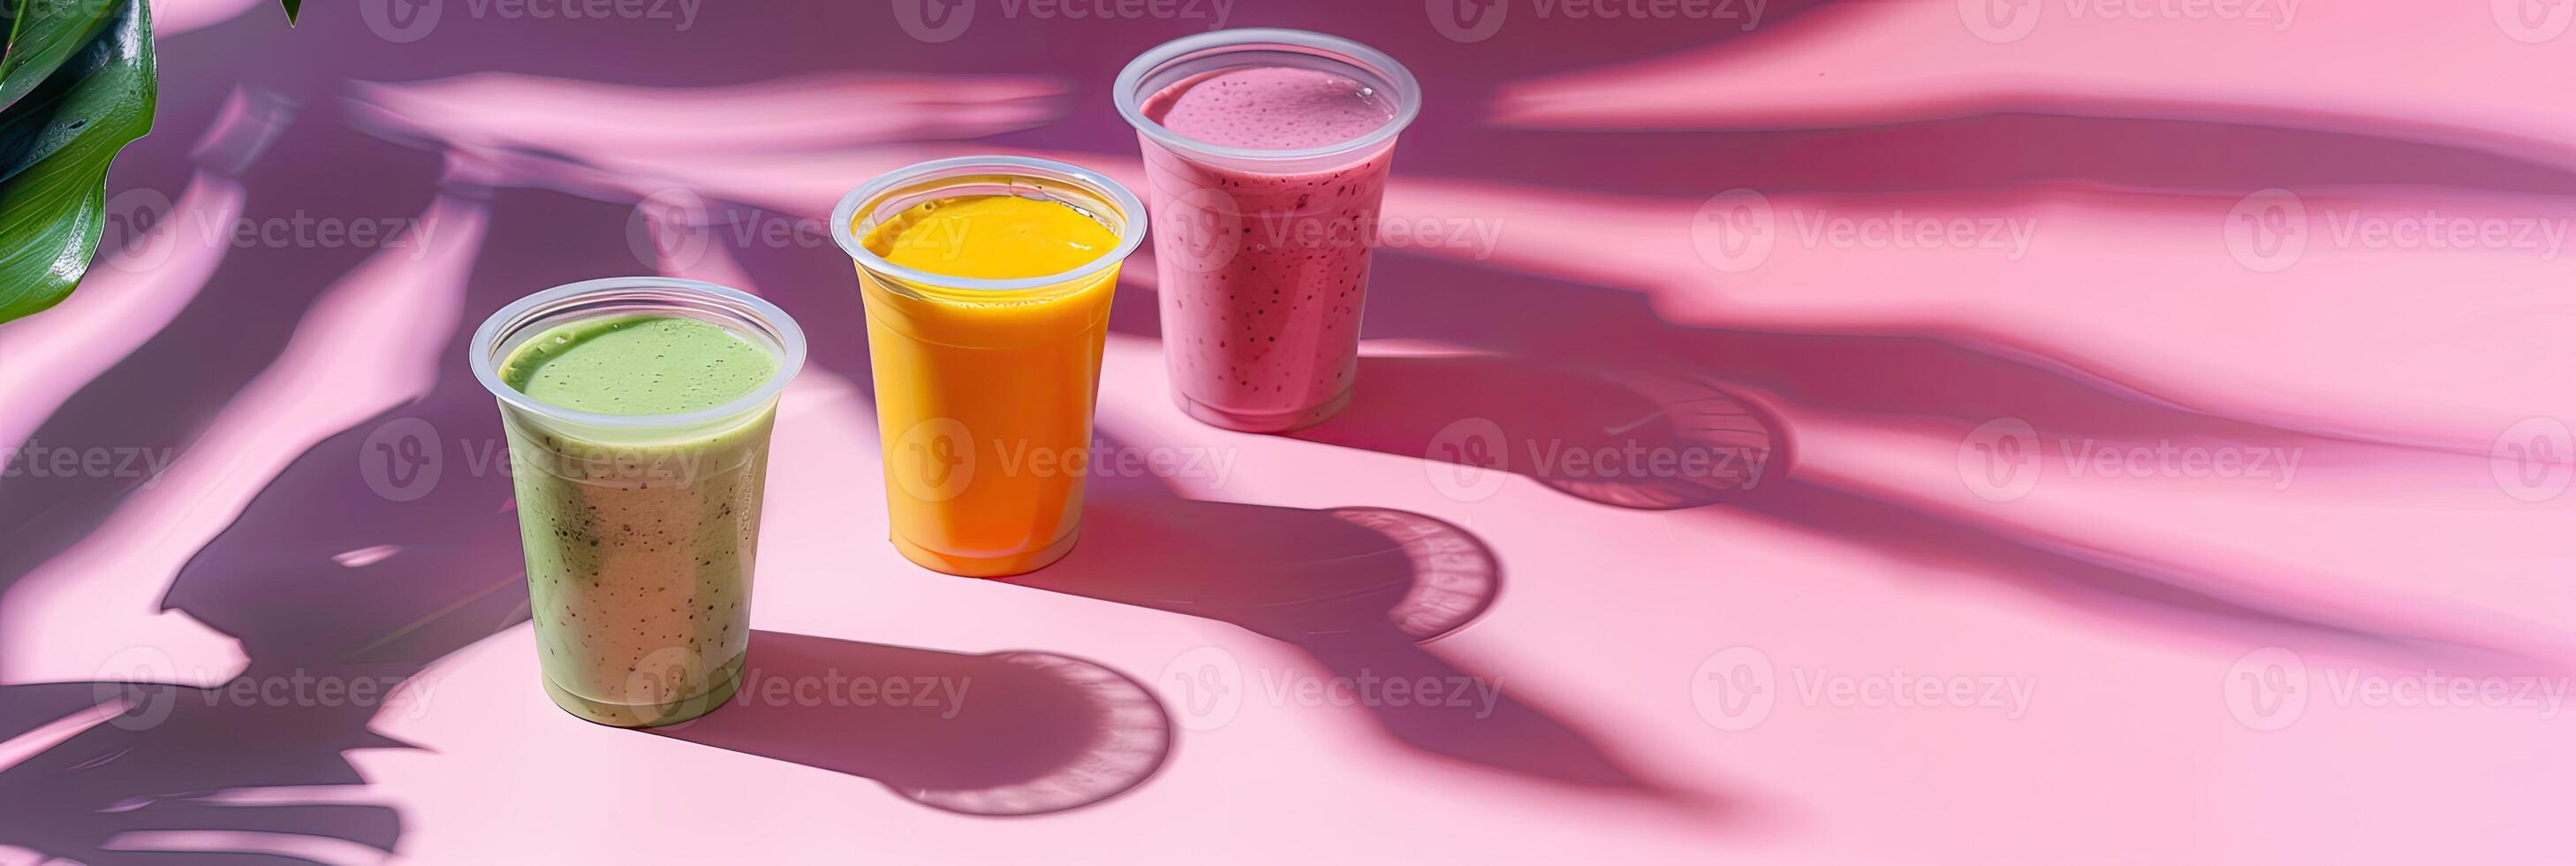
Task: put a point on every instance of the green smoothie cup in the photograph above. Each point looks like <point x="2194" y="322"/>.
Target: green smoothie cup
<point x="638" y="413"/>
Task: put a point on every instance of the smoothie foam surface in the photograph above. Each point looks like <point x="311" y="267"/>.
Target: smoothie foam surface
<point x="638" y="365"/>
<point x="1271" y="108"/>
<point x="992" y="237"/>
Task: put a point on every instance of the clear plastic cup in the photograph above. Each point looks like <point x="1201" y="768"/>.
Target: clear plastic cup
<point x="1262" y="256"/>
<point x="985" y="388"/>
<point x="639" y="530"/>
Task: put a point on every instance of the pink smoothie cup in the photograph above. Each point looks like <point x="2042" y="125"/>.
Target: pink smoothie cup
<point x="1262" y="255"/>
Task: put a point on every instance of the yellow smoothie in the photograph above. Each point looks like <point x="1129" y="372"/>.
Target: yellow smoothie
<point x="984" y="397"/>
<point x="992" y="237"/>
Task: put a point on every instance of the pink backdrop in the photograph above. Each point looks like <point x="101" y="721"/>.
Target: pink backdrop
<point x="2141" y="436"/>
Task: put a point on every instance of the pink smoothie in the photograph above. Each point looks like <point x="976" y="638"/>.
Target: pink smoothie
<point x="1263" y="268"/>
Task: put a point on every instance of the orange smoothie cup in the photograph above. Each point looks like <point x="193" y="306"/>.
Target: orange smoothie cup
<point x="985" y="387"/>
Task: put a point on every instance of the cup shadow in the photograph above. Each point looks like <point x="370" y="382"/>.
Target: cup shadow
<point x="1359" y="590"/>
<point x="999" y="734"/>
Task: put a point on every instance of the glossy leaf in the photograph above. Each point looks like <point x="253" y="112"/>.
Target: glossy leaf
<point x="65" y="121"/>
<point x="42" y="35"/>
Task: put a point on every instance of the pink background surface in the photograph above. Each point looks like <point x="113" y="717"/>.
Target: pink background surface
<point x="2163" y="665"/>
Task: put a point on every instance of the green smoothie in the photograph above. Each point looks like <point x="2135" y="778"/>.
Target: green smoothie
<point x="638" y="365"/>
<point x="639" y="539"/>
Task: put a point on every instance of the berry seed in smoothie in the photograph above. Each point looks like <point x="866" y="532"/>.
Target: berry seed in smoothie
<point x="1271" y="108"/>
<point x="639" y="545"/>
<point x="1264" y="262"/>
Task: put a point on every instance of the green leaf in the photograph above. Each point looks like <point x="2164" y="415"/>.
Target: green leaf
<point x="57" y="137"/>
<point x="293" y="8"/>
<point x="43" y="34"/>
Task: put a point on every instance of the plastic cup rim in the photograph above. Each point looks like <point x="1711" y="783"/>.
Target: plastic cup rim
<point x="791" y="349"/>
<point x="1131" y="104"/>
<point x="1131" y="211"/>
